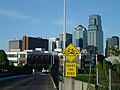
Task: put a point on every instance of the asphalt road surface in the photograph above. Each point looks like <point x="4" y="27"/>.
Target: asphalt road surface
<point x="38" y="81"/>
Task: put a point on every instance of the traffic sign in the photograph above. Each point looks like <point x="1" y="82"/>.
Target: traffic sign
<point x="71" y="69"/>
<point x="70" y="52"/>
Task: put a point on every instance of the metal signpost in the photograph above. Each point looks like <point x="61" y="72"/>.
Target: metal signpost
<point x="70" y="52"/>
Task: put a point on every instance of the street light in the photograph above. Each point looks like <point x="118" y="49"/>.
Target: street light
<point x="64" y="37"/>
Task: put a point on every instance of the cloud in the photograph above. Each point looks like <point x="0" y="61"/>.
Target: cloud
<point x="13" y="14"/>
<point x="68" y="22"/>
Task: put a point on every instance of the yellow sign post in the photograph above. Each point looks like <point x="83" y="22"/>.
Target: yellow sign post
<point x="71" y="69"/>
<point x="70" y="52"/>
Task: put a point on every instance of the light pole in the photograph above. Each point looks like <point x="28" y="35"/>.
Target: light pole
<point x="64" y="37"/>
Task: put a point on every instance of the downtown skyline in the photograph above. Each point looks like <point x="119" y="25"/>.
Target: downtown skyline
<point x="40" y="18"/>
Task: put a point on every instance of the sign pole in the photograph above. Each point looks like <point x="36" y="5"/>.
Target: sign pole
<point x="70" y="83"/>
<point x="70" y="52"/>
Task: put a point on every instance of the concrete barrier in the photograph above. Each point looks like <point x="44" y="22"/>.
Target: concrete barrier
<point x="75" y="85"/>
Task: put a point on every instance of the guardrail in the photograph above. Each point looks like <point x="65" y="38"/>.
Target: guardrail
<point x="61" y="78"/>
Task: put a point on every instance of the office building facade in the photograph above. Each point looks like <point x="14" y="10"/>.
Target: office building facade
<point x="15" y="45"/>
<point x="30" y="43"/>
<point x="54" y="43"/>
<point x="33" y="58"/>
<point x="113" y="41"/>
<point x="68" y="39"/>
<point x="80" y="37"/>
<point x="95" y="33"/>
<point x="88" y="60"/>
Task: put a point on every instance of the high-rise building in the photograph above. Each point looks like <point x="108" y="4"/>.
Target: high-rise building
<point x="30" y="43"/>
<point x="113" y="41"/>
<point x="54" y="43"/>
<point x="95" y="33"/>
<point x="80" y="37"/>
<point x="15" y="45"/>
<point x="68" y="39"/>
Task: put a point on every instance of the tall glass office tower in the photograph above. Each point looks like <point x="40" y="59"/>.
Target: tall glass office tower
<point x="95" y="33"/>
<point x="80" y="37"/>
<point x="68" y="39"/>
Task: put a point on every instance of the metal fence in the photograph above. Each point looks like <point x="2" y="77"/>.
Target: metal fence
<point x="103" y="80"/>
<point x="115" y="80"/>
<point x="108" y="80"/>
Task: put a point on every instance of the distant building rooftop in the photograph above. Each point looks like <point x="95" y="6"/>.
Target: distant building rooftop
<point x="113" y="60"/>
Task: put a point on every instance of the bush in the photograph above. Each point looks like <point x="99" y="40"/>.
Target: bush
<point x="85" y="78"/>
<point x="20" y="65"/>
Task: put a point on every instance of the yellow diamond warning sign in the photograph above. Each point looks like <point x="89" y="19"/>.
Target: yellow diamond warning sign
<point x="70" y="52"/>
<point x="71" y="69"/>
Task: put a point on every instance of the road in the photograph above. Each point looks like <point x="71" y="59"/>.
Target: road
<point x="38" y="81"/>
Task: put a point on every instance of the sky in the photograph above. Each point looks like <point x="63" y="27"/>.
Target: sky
<point x="44" y="18"/>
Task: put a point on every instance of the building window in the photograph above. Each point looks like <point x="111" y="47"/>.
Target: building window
<point x="12" y="55"/>
<point x="22" y="55"/>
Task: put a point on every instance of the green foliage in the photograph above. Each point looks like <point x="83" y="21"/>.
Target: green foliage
<point x="11" y="63"/>
<point x="115" y="76"/>
<point x="99" y="66"/>
<point x="3" y="59"/>
<point x="104" y="74"/>
<point x="20" y="65"/>
<point x="49" y="68"/>
<point x="118" y="67"/>
<point x="85" y="78"/>
<point x="83" y="70"/>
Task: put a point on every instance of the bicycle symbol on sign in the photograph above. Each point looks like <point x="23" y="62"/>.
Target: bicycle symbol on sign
<point x="70" y="52"/>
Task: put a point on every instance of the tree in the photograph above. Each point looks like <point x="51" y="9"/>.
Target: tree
<point x="11" y="63"/>
<point x="118" y="67"/>
<point x="103" y="74"/>
<point x="20" y="64"/>
<point x="3" y="59"/>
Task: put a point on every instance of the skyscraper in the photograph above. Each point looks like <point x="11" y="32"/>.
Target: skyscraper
<point x="95" y="33"/>
<point x="68" y="39"/>
<point x="113" y="41"/>
<point x="80" y="37"/>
